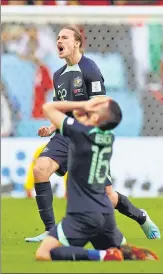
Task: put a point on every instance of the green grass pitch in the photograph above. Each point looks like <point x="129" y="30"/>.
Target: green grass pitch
<point x="20" y="219"/>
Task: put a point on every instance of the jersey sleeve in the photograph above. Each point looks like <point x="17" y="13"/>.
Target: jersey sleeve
<point x="73" y="129"/>
<point x="95" y="82"/>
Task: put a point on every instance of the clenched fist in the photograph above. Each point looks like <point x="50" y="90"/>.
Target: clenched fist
<point x="46" y="131"/>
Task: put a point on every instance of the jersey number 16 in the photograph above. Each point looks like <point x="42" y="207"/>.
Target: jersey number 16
<point x="98" y="164"/>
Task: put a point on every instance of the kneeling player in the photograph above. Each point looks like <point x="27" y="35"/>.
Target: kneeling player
<point x="90" y="214"/>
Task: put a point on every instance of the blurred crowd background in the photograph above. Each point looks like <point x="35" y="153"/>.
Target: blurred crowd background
<point x="130" y="57"/>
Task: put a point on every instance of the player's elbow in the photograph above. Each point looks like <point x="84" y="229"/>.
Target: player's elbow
<point x="42" y="255"/>
<point x="45" y="108"/>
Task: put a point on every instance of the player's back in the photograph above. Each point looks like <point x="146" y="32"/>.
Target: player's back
<point x="88" y="166"/>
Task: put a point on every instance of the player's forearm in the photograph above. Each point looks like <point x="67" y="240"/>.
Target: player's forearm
<point x="63" y="106"/>
<point x="54" y="111"/>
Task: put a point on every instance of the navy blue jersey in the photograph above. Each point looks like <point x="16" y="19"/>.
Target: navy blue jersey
<point x="78" y="82"/>
<point x="89" y="154"/>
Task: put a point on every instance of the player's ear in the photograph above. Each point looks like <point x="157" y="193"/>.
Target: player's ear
<point x="77" y="44"/>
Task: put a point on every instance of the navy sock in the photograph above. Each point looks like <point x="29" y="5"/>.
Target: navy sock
<point x="125" y="207"/>
<point x="74" y="253"/>
<point x="44" y="199"/>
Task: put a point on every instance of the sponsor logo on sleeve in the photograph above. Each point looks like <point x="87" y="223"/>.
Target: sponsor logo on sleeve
<point x="96" y="86"/>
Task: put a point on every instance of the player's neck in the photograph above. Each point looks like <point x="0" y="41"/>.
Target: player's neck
<point x="74" y="59"/>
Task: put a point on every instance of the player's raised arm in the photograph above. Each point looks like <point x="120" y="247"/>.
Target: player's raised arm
<point x="54" y="111"/>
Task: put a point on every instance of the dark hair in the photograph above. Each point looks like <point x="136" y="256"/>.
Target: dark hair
<point x="116" y="116"/>
<point x="77" y="35"/>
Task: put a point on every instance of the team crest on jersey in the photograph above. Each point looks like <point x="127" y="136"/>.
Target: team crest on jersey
<point x="77" y="82"/>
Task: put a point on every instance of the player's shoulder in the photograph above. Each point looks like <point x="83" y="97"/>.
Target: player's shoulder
<point x="59" y="72"/>
<point x="88" y="65"/>
<point x="72" y="122"/>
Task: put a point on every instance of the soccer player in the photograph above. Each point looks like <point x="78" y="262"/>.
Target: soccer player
<point x="90" y="214"/>
<point x="78" y="80"/>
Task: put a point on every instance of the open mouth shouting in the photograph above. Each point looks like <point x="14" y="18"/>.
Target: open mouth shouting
<point x="60" y="49"/>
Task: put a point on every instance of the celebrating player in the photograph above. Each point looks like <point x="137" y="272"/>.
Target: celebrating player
<point x="79" y="80"/>
<point x="90" y="214"/>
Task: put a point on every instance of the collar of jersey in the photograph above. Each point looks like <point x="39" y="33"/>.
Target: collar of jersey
<point x="72" y="68"/>
<point x="98" y="130"/>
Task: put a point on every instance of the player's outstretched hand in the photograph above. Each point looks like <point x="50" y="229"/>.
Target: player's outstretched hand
<point x="46" y="131"/>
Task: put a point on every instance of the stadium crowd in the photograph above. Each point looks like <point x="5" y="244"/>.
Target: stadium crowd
<point x="82" y="2"/>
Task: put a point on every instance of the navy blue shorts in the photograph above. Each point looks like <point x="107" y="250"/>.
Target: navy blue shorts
<point x="77" y="229"/>
<point x="57" y="149"/>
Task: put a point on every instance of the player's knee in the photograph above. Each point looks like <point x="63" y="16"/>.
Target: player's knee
<point x="44" y="167"/>
<point x="41" y="167"/>
<point x="42" y="255"/>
